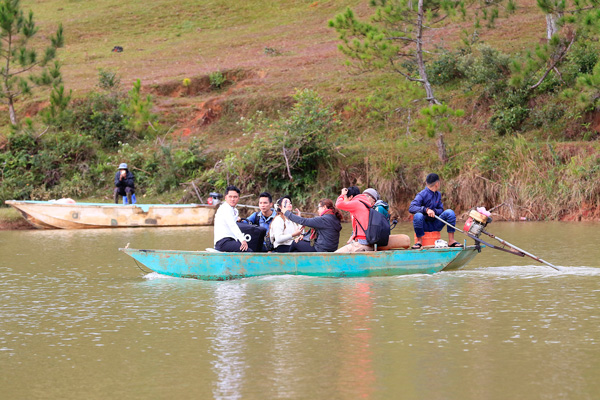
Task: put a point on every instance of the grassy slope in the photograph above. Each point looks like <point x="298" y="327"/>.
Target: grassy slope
<point x="166" y="42"/>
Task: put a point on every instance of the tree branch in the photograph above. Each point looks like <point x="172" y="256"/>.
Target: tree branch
<point x="410" y="78"/>
<point x="287" y="164"/>
<point x="556" y="61"/>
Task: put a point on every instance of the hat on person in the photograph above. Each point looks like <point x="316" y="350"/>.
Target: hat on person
<point x="372" y="192"/>
<point x="123" y="166"/>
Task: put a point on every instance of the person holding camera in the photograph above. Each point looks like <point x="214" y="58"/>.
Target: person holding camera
<point x="124" y="184"/>
<point x="325" y="230"/>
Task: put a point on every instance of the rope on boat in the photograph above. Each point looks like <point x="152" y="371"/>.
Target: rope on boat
<point x="140" y="268"/>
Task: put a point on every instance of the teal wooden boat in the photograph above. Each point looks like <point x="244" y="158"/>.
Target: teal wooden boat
<point x="211" y="265"/>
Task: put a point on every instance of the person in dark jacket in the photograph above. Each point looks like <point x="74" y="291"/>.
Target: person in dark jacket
<point x="426" y="205"/>
<point x="326" y="228"/>
<point x="124" y="185"/>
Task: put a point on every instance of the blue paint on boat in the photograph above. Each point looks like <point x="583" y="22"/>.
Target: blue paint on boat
<point x="225" y="266"/>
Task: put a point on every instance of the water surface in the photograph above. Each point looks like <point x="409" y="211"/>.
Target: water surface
<point x="79" y="319"/>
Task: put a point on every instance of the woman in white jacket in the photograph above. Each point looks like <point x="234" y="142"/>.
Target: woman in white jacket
<point x="282" y="230"/>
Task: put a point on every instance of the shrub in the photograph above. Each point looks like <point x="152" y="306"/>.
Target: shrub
<point x="445" y="69"/>
<point x="547" y="115"/>
<point x="271" y="51"/>
<point x="137" y="110"/>
<point x="217" y="79"/>
<point x="286" y="153"/>
<point x="510" y="111"/>
<point x="108" y="80"/>
<point x="490" y="69"/>
<point x="40" y="167"/>
<point x="99" y="116"/>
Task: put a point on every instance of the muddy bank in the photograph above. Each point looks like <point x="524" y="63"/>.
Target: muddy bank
<point x="15" y="225"/>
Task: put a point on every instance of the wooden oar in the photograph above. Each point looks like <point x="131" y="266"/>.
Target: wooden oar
<point x="504" y="242"/>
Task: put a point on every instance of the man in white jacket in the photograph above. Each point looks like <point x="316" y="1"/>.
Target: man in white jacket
<point x="228" y="236"/>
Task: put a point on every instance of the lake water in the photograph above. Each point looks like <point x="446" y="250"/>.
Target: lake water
<point x="79" y="320"/>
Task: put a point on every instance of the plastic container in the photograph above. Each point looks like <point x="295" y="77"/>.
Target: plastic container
<point x="429" y="238"/>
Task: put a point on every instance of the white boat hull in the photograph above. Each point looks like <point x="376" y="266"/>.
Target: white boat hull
<point x="52" y="215"/>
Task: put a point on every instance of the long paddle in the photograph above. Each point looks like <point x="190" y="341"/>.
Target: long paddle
<point x="504" y="242"/>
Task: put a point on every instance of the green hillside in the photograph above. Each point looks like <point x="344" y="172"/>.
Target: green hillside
<point x="210" y="66"/>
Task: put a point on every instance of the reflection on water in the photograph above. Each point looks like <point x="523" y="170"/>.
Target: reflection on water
<point x="229" y="342"/>
<point x="78" y="319"/>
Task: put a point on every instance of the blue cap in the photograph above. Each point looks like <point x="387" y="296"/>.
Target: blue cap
<point x="123" y="166"/>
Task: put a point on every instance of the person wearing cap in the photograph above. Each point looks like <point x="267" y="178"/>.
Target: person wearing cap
<point x="358" y="206"/>
<point x="228" y="236"/>
<point x="124" y="184"/>
<point x="425" y="207"/>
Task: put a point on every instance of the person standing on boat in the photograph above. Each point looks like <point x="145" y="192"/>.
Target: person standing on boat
<point x="283" y="231"/>
<point x="228" y="236"/>
<point x="325" y="232"/>
<point x="124" y="184"/>
<point x="426" y="205"/>
<point x="358" y="207"/>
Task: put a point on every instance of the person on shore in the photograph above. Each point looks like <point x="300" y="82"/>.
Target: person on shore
<point x="325" y="233"/>
<point x="124" y="184"/>
<point x="228" y="236"/>
<point x="358" y="207"/>
<point x="262" y="219"/>
<point x="283" y="231"/>
<point x="425" y="207"/>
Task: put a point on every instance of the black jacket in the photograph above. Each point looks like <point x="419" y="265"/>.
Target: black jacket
<point x="327" y="226"/>
<point x="128" y="181"/>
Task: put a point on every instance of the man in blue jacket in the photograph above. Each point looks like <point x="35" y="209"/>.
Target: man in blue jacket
<point x="124" y="185"/>
<point x="426" y="205"/>
<point x="261" y="220"/>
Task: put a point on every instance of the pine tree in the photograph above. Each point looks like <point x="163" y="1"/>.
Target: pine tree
<point x="23" y="68"/>
<point x="394" y="39"/>
<point x="138" y="110"/>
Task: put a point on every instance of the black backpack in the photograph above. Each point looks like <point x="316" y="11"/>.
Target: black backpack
<point x="378" y="230"/>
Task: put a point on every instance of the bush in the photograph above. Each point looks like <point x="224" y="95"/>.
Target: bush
<point x="108" y="80"/>
<point x="217" y="79"/>
<point x="286" y="153"/>
<point x="510" y="111"/>
<point x="490" y="69"/>
<point x="547" y="115"/>
<point x="99" y="116"/>
<point x="42" y="167"/>
<point x="445" y="69"/>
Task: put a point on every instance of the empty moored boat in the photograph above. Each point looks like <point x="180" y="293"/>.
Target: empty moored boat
<point x="72" y="215"/>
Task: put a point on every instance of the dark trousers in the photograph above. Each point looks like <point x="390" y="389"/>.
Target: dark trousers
<point x="423" y="224"/>
<point x="230" y="245"/>
<point x="282" y="248"/>
<point x="302" y="246"/>
<point x="123" y="191"/>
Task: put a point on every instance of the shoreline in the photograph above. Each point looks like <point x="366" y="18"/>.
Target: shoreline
<point x="20" y="224"/>
<point x="15" y="225"/>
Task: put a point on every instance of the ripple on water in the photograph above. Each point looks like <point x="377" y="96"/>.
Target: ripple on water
<point x="532" y="271"/>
